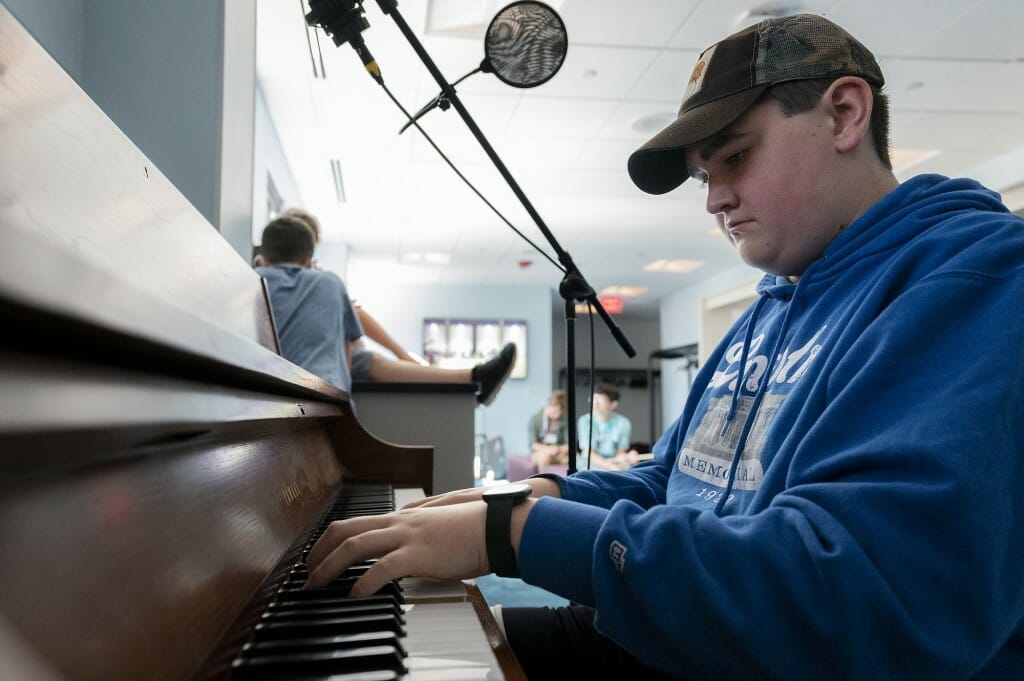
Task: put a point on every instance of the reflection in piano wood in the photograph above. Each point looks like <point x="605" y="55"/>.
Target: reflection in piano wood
<point x="143" y="515"/>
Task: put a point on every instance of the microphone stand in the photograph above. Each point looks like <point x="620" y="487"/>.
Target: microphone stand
<point x="573" y="286"/>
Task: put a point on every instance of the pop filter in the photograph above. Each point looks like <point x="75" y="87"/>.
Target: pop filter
<point x="525" y="46"/>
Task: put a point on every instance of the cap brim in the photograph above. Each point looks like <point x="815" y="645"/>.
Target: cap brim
<point x="658" y="166"/>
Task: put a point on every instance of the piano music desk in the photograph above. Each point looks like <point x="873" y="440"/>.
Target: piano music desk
<point x="435" y="414"/>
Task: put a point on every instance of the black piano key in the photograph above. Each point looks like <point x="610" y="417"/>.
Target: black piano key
<point x="325" y="626"/>
<point x="342" y="609"/>
<point x="336" y="588"/>
<point x="320" y="643"/>
<point x="379" y="675"/>
<point x="300" y="570"/>
<point x="297" y="578"/>
<point x="318" y="663"/>
<point x="284" y="603"/>
<point x="313" y="634"/>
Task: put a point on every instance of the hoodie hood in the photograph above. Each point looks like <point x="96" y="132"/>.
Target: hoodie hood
<point x="912" y="208"/>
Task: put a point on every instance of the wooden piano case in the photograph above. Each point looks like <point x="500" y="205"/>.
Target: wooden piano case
<point x="157" y="457"/>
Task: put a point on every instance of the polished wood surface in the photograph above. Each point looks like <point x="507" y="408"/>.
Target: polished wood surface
<point x="131" y="547"/>
<point x="506" y="658"/>
<point x="442" y="414"/>
<point x="71" y="178"/>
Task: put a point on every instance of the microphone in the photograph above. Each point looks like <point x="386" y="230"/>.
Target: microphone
<point x="344" y="21"/>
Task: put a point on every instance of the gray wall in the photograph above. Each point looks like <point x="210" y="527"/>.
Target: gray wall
<point x="270" y="163"/>
<point x="57" y="25"/>
<point x="235" y="163"/>
<point x="154" y="67"/>
<point x="643" y="333"/>
<point x="157" y="69"/>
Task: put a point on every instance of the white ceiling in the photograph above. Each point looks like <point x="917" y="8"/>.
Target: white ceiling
<point x="955" y="74"/>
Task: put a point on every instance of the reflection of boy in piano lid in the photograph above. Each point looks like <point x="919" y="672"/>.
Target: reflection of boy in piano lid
<point x="314" y="313"/>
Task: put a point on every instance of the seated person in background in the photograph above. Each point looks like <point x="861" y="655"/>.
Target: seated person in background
<point x="611" y="433"/>
<point x="549" y="432"/>
<point x="313" y="313"/>
<point x="316" y="322"/>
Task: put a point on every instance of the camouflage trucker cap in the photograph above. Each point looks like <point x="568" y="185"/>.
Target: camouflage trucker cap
<point x="732" y="74"/>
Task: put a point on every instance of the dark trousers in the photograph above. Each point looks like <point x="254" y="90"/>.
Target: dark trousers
<point x="561" y="644"/>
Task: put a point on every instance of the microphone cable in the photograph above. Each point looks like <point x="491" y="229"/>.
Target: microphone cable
<point x="458" y="172"/>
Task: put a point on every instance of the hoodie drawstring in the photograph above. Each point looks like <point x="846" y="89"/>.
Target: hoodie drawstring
<point x="747" y="338"/>
<point x="761" y="389"/>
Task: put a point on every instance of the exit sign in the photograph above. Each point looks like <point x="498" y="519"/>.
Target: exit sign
<point x="611" y="304"/>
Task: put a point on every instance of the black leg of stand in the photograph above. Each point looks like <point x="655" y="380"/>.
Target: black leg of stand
<point x="572" y="288"/>
<point x="570" y="377"/>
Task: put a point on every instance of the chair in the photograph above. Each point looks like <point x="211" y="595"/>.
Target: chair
<point x="493" y="462"/>
<point x="520" y="466"/>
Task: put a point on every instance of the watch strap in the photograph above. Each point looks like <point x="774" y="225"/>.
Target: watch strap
<point x="500" y="554"/>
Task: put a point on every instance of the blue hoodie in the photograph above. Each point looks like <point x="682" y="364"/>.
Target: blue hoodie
<point x="839" y="498"/>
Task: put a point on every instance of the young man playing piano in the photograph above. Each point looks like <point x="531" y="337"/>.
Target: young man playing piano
<point x="842" y="494"/>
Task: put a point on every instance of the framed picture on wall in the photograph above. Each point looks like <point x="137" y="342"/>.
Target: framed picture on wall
<point x="464" y="343"/>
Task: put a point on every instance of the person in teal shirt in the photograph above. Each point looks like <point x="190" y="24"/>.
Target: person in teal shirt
<point x="611" y="431"/>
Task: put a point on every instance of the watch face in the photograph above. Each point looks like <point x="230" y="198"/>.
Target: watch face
<point x="519" y="489"/>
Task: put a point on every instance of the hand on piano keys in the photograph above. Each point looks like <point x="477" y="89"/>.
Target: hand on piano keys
<point x="441" y="537"/>
<point x="440" y="542"/>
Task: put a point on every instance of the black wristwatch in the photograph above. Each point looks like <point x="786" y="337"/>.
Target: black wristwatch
<point x="500" y="502"/>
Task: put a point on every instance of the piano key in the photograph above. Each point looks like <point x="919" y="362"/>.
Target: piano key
<point x="337" y="588"/>
<point x="380" y="675"/>
<point x="318" y="643"/>
<point x="284" y="603"/>
<point x="326" y="626"/>
<point x="341" y="609"/>
<point x="291" y="666"/>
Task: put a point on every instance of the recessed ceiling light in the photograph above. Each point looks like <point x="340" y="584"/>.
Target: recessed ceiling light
<point x="676" y="266"/>
<point x="623" y="291"/>
<point x="466" y="18"/>
<point x="428" y="258"/>
<point x="651" y="123"/>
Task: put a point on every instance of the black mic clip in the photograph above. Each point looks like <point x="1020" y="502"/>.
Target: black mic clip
<point x="345" y="22"/>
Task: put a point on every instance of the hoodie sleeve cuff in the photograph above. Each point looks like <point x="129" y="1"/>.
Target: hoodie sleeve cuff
<point x="556" y="551"/>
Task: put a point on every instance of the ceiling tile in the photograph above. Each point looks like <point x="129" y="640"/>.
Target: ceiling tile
<point x="639" y="22"/>
<point x="712" y="21"/>
<point x="977" y="131"/>
<point x="550" y="117"/>
<point x="666" y="78"/>
<point x="934" y="85"/>
<point x="597" y="71"/>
